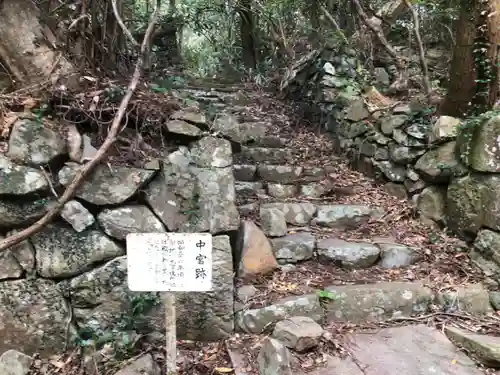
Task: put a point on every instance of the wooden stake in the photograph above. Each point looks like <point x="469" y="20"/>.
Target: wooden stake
<point x="170" y="334"/>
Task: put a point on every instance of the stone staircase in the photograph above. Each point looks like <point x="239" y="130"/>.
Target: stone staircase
<point x="310" y="259"/>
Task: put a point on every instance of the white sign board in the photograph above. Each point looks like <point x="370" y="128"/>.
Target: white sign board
<point x="169" y="262"/>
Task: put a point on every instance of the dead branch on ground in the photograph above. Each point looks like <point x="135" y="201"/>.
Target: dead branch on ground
<point x="421" y="53"/>
<point x="101" y="152"/>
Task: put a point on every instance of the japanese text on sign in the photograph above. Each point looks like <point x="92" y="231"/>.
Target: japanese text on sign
<point x="169" y="262"/>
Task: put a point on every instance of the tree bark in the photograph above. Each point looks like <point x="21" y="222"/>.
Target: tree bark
<point x="461" y="86"/>
<point x="487" y="37"/>
<point x="247" y="33"/>
<point x="28" y="48"/>
<point x="477" y="31"/>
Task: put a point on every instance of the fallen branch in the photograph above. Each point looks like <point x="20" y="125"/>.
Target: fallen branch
<point x="334" y="22"/>
<point x="378" y="33"/>
<point x="421" y="53"/>
<point x="101" y="152"/>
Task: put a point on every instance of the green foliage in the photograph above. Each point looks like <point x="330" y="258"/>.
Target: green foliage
<point x="120" y="337"/>
<point x="326" y="295"/>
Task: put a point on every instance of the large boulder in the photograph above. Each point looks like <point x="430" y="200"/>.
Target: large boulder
<point x="105" y="185"/>
<point x="33" y="143"/>
<point x="20" y="180"/>
<point x="63" y="252"/>
<point x="479" y="145"/>
<point x="440" y="164"/>
<point x="472" y="203"/>
<point x="34" y="317"/>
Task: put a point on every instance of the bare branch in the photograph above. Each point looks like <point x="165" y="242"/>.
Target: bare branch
<point x="101" y="152"/>
<point x="122" y="24"/>
<point x="378" y="33"/>
<point x="421" y="53"/>
<point x="334" y="23"/>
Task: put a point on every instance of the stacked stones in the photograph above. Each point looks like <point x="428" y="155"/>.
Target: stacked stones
<point x="448" y="169"/>
<point x="80" y="257"/>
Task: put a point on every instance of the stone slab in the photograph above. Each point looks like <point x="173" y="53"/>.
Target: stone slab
<point x="410" y="350"/>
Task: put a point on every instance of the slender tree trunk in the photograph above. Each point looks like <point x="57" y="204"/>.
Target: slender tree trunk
<point x="28" y="48"/>
<point x="247" y="33"/>
<point x="487" y="39"/>
<point x="461" y="85"/>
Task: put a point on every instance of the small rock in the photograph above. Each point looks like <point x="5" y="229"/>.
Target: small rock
<point x="495" y="300"/>
<point x="182" y="128"/>
<point x="279" y="173"/>
<point x="294" y="248"/>
<point x="19" y="179"/>
<point x="348" y="254"/>
<point x="299" y="333"/>
<point x="381" y="76"/>
<point x="440" y="164"/>
<point x="273" y="222"/>
<point x="141" y="366"/>
<point x="244" y="172"/>
<point x="13" y="362"/>
<point x="314" y="190"/>
<point x="281" y="191"/>
<point x="295" y="213"/>
<point x="211" y="152"/>
<point x="274" y="358"/>
<point x="397" y="190"/>
<point x="484" y="347"/>
<point x="120" y="221"/>
<point x="190" y="116"/>
<point x="444" y="129"/>
<point x="249" y="187"/>
<point x="431" y="203"/>
<point x="472" y="298"/>
<point x="89" y="151"/>
<point x="257" y="320"/>
<point x="388" y="124"/>
<point x="254" y="252"/>
<point x="393" y="172"/>
<point x="246" y="292"/>
<point x="357" y="111"/>
<point x="77" y="215"/>
<point x="396" y="255"/>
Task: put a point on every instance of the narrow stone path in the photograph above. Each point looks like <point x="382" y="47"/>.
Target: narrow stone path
<point x="324" y="250"/>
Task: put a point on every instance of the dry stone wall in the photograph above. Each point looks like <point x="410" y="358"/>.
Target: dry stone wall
<point x="71" y="276"/>
<point x="447" y="166"/>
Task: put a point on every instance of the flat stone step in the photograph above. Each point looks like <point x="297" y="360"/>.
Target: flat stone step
<point x="410" y="350"/>
<point x="278" y="173"/>
<point x="265" y="155"/>
<point x="364" y="303"/>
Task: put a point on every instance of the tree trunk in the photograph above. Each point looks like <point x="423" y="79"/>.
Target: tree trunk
<point x="27" y="47"/>
<point x="486" y="50"/>
<point x="461" y="85"/>
<point x="247" y="33"/>
<point x="478" y="37"/>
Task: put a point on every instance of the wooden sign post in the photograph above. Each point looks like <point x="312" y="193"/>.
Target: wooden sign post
<point x="169" y="262"/>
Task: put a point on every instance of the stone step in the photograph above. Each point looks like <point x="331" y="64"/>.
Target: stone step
<point x="341" y="216"/>
<point x="251" y="155"/>
<point x="282" y="181"/>
<point x="363" y="303"/>
<point x="409" y="350"/>
<point x="284" y="174"/>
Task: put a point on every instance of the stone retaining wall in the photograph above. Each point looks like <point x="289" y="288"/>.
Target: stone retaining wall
<point x="448" y="167"/>
<point x="78" y="262"/>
